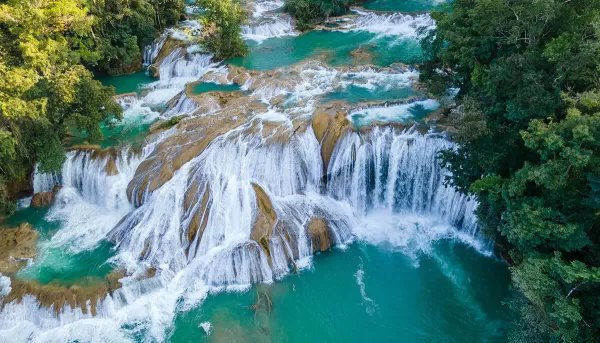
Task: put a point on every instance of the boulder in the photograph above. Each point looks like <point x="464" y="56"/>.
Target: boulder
<point x="42" y="199"/>
<point x="319" y="234"/>
<point x="329" y="124"/>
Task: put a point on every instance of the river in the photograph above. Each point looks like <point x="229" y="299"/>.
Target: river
<point x="219" y="228"/>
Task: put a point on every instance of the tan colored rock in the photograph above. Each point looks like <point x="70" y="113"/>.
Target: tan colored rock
<point x="17" y="245"/>
<point x="329" y="124"/>
<point x="265" y="219"/>
<point x="192" y="137"/>
<point x="42" y="199"/>
<point x="361" y="56"/>
<point x="58" y="296"/>
<point x="319" y="234"/>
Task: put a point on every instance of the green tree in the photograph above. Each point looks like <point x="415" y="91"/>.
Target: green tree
<point x="528" y="128"/>
<point x="221" y="28"/>
<point x="44" y="89"/>
<point x="122" y="28"/>
<point x="310" y="12"/>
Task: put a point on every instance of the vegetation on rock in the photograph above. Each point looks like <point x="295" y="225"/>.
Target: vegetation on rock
<point x="528" y="124"/>
<point x="122" y="28"/>
<point x="47" y="90"/>
<point x="310" y="12"/>
<point x="221" y="28"/>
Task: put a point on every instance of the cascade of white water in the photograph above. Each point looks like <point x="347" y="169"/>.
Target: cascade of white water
<point x="44" y="182"/>
<point x="262" y="6"/>
<point x="390" y="24"/>
<point x="226" y="170"/>
<point x="93" y="185"/>
<point x="182" y="64"/>
<point x="269" y="28"/>
<point x="399" y="172"/>
<point x="151" y="51"/>
<point x="183" y="105"/>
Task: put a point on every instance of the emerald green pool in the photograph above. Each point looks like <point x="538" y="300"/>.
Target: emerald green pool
<point x="204" y="87"/>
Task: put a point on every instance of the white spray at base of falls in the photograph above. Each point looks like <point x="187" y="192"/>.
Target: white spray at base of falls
<point x="90" y="191"/>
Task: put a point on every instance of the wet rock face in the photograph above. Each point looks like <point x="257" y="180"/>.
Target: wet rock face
<point x="320" y="235"/>
<point x="17" y="245"/>
<point x="58" y="297"/>
<point x="330" y="124"/>
<point x="42" y="199"/>
<point x="265" y="219"/>
<point x="192" y="137"/>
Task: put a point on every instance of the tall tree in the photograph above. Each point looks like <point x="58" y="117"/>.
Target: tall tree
<point x="529" y="133"/>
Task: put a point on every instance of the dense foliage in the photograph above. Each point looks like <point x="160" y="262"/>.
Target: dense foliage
<point x="124" y="27"/>
<point x="310" y="12"/>
<point x="528" y="124"/>
<point x="221" y="28"/>
<point x="45" y="90"/>
<point x="47" y="49"/>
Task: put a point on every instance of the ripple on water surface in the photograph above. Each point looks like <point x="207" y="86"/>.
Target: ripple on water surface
<point x="366" y="293"/>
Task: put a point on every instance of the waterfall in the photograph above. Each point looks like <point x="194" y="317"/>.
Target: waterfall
<point x="151" y="51"/>
<point x="398" y="172"/>
<point x="92" y="198"/>
<point x="183" y="105"/>
<point x="197" y="229"/>
<point x="44" y="182"/>
<point x="390" y="24"/>
<point x="182" y="64"/>
<point x="269" y="28"/>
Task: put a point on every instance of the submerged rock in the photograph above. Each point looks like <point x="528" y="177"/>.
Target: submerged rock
<point x="58" y="296"/>
<point x="17" y="246"/>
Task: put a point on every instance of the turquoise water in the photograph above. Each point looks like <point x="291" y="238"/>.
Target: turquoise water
<point x="453" y="295"/>
<point x="334" y="47"/>
<point x="131" y="131"/>
<point x="355" y="94"/>
<point x="127" y="83"/>
<point x="204" y="87"/>
<point x="37" y="218"/>
<point x="406" y="5"/>
<point x="57" y="264"/>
